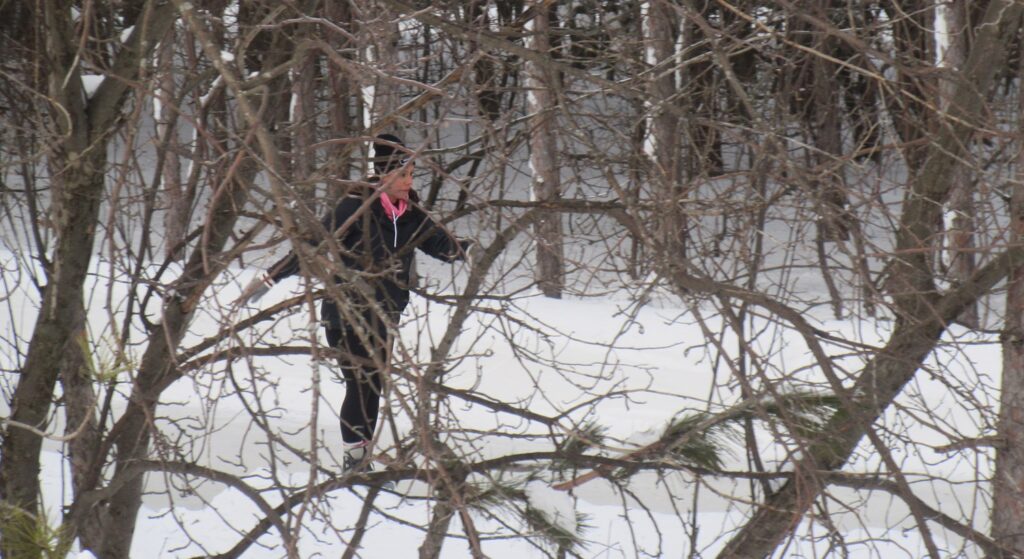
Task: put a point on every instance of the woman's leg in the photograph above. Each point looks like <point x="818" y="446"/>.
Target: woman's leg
<point x="360" y="366"/>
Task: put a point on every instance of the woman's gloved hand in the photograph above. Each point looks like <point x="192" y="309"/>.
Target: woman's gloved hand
<point x="255" y="290"/>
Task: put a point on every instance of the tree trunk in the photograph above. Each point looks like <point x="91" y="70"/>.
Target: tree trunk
<point x="911" y="113"/>
<point x="1008" y="478"/>
<point x="178" y="203"/>
<point x="57" y="331"/>
<point x="303" y="122"/>
<point x="344" y="113"/>
<point x="826" y="128"/>
<point x="382" y="53"/>
<point x="661" y="24"/>
<point x="961" y="203"/>
<point x="437" y="530"/>
<point x="133" y="431"/>
<point x="541" y="82"/>
<point x="699" y="96"/>
<point x="83" y="428"/>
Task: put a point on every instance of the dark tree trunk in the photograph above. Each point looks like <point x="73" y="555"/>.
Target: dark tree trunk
<point x="666" y="172"/>
<point x="82" y="426"/>
<point x="541" y="82"/>
<point x="343" y="104"/>
<point x="700" y="97"/>
<point x="961" y="236"/>
<point x="1008" y="478"/>
<point x="57" y="333"/>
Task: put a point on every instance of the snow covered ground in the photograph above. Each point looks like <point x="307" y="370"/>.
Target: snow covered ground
<point x="629" y="370"/>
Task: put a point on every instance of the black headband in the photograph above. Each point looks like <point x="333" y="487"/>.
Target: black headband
<point x="389" y="156"/>
<point x="384" y="165"/>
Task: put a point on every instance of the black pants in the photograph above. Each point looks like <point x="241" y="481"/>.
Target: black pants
<point x="361" y="363"/>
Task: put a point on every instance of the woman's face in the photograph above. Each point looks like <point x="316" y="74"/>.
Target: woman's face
<point x="398" y="183"/>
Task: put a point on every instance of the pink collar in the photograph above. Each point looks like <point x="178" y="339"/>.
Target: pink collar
<point x="393" y="211"/>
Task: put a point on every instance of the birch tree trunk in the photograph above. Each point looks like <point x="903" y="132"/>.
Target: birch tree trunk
<point x="178" y="204"/>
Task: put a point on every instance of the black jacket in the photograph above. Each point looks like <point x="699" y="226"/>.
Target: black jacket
<point x="380" y="248"/>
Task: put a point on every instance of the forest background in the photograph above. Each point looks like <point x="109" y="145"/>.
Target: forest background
<point x="752" y="280"/>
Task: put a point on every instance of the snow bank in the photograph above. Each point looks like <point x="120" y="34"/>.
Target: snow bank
<point x="556" y="506"/>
